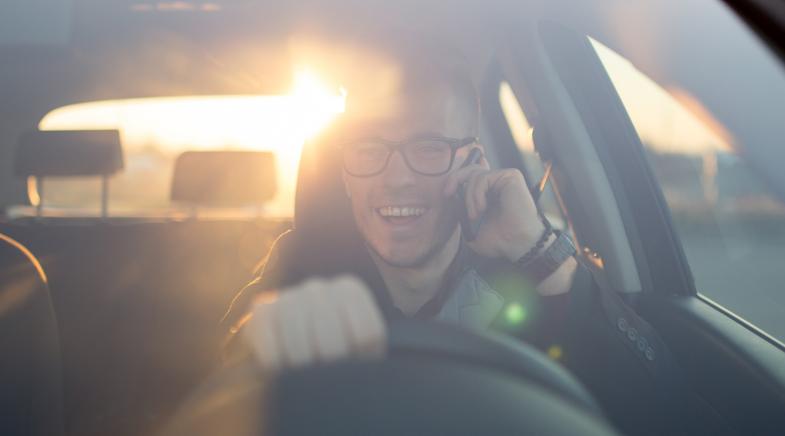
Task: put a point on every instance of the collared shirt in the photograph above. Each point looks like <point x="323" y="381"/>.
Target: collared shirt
<point x="457" y="268"/>
<point x="479" y="293"/>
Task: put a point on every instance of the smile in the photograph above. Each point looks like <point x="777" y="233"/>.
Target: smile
<point x="400" y="211"/>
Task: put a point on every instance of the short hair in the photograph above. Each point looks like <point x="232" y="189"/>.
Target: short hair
<point x="429" y="62"/>
<point x="423" y="67"/>
<point x="435" y="65"/>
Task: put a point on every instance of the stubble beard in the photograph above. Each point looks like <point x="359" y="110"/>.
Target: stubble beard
<point x="442" y="238"/>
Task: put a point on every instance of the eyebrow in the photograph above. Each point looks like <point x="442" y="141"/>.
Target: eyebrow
<point x="417" y="135"/>
<point x="428" y="134"/>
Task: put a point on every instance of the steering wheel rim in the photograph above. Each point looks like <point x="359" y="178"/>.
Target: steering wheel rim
<point x="235" y="393"/>
<point x="498" y="352"/>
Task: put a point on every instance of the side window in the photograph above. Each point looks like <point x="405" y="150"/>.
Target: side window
<point x="522" y="133"/>
<point x="731" y="225"/>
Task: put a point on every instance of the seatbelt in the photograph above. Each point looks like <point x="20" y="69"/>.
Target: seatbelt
<point x="537" y="190"/>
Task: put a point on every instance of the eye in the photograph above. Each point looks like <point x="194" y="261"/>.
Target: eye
<point x="430" y="149"/>
<point x="369" y="151"/>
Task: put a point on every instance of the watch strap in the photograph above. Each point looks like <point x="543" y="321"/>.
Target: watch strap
<point x="539" y="268"/>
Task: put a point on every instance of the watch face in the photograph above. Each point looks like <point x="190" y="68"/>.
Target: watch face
<point x="565" y="248"/>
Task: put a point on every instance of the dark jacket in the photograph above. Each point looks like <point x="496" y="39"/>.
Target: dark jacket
<point x="590" y="330"/>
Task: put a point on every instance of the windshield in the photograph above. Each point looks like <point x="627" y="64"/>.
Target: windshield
<point x="191" y="185"/>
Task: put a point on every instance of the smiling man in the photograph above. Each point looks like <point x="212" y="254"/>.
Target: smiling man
<point x="384" y="241"/>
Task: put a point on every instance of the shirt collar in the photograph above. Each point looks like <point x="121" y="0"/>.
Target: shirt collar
<point x="460" y="263"/>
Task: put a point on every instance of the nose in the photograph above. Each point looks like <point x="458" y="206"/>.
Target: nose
<point x="398" y="174"/>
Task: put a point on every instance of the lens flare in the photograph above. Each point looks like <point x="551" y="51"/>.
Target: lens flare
<point x="317" y="104"/>
<point x="515" y="313"/>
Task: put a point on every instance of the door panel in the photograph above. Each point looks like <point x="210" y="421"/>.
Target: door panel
<point x="739" y="371"/>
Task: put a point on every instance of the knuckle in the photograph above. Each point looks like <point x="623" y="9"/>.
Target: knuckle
<point x="373" y="330"/>
<point x="351" y="288"/>
<point x="358" y="297"/>
<point x="302" y="287"/>
<point x="372" y="341"/>
<point x="477" y="177"/>
<point x="514" y="172"/>
<point x="266" y="298"/>
<point x="346" y="281"/>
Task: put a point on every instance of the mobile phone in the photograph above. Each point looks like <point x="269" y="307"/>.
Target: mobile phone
<point x="468" y="227"/>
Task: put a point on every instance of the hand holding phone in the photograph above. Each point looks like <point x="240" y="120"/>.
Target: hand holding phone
<point x="468" y="227"/>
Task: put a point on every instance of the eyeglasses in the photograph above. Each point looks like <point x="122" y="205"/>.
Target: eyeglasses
<point x="429" y="156"/>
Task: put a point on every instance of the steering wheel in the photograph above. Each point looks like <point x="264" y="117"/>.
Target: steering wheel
<point x="436" y="379"/>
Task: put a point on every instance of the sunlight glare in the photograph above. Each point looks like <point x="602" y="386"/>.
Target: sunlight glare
<point x="171" y="125"/>
<point x="318" y="103"/>
<point x="660" y="116"/>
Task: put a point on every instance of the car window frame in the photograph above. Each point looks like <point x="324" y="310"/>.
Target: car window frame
<point x="658" y="251"/>
<point x="578" y="173"/>
<point x="635" y="185"/>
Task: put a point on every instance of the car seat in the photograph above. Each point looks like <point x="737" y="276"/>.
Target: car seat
<point x="30" y="369"/>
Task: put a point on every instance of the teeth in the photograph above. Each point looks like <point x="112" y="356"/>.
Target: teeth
<point x="400" y="211"/>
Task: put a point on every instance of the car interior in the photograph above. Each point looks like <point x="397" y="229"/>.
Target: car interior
<point x="112" y="319"/>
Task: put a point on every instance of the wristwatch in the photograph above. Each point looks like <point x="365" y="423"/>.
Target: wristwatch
<point x="542" y="266"/>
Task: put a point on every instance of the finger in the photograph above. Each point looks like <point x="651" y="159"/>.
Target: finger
<point x="465" y="155"/>
<point x="520" y="193"/>
<point x="367" y="330"/>
<point x="459" y="176"/>
<point x="294" y="329"/>
<point x="260" y="333"/>
<point x="483" y="161"/>
<point x="331" y="337"/>
<point x="470" y="196"/>
<point x="479" y="194"/>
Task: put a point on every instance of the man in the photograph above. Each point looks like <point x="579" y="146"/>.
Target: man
<point x="390" y="245"/>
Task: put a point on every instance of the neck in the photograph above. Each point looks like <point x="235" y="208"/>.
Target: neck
<point x="411" y="288"/>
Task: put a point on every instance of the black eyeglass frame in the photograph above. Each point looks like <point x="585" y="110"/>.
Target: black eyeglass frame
<point x="393" y="146"/>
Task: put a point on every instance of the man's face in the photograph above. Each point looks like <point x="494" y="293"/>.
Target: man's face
<point x="408" y="241"/>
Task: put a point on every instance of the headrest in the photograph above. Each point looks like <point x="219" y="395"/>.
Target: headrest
<point x="325" y="240"/>
<point x="69" y="153"/>
<point x="321" y="202"/>
<point x="224" y="178"/>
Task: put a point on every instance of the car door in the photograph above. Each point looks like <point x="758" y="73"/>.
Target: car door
<point x="692" y="234"/>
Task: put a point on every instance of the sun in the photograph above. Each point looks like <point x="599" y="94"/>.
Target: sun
<point x="319" y="104"/>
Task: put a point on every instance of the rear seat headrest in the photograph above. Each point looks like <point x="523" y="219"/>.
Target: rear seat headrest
<point x="224" y="178"/>
<point x="69" y="153"/>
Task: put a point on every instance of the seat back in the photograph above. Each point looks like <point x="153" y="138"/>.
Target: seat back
<point x="68" y="153"/>
<point x="325" y="240"/>
<point x="31" y="401"/>
<point x="224" y="178"/>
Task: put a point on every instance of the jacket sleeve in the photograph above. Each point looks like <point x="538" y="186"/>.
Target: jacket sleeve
<point x="614" y="352"/>
<point x="620" y="358"/>
<point x="272" y="275"/>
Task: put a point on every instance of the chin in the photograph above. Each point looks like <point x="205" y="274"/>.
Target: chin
<point x="403" y="257"/>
